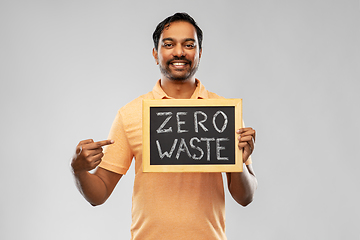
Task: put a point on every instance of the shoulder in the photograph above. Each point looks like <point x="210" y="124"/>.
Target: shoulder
<point x="132" y="111"/>
<point x="212" y="95"/>
<point x="135" y="104"/>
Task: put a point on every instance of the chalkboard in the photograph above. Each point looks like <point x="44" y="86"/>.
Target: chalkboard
<point x="183" y="135"/>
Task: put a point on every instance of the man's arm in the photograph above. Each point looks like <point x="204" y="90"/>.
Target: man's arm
<point x="96" y="188"/>
<point x="242" y="185"/>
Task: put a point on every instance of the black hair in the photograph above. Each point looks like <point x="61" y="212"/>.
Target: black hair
<point x="174" y="18"/>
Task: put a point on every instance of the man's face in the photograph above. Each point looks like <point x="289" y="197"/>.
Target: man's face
<point x="178" y="53"/>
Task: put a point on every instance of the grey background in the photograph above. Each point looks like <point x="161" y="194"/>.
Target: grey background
<point x="68" y="66"/>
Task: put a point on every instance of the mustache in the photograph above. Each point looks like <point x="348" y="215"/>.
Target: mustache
<point x="179" y="59"/>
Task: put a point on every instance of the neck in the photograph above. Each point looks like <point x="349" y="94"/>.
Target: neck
<point x="178" y="89"/>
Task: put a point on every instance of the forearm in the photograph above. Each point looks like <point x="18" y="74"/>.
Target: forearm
<point x="242" y="185"/>
<point x="91" y="187"/>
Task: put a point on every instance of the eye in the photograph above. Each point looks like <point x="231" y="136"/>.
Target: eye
<point x="190" y="45"/>
<point x="167" y="45"/>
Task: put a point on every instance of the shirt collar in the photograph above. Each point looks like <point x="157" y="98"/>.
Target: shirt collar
<point x="199" y="93"/>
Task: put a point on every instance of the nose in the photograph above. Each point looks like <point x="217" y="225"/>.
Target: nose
<point x="178" y="51"/>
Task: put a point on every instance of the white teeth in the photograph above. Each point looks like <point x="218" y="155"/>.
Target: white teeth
<point x="178" y="64"/>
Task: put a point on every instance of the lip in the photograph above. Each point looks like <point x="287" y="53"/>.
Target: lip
<point x="178" y="64"/>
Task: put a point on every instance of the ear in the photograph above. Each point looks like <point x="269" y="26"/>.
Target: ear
<point x="155" y="54"/>
<point x="200" y="53"/>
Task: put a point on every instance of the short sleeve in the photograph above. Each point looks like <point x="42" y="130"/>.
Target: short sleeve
<point x="249" y="161"/>
<point x="117" y="156"/>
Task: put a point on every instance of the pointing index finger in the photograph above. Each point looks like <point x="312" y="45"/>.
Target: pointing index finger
<point x="103" y="143"/>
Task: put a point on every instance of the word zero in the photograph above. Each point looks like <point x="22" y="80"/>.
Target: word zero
<point x="197" y="122"/>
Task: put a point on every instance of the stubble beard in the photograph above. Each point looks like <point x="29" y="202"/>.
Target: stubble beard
<point x="166" y="71"/>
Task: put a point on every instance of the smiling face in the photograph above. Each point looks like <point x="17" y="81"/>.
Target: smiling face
<point x="178" y="54"/>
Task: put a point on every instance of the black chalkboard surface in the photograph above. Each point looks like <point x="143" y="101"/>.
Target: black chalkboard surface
<point x="191" y="135"/>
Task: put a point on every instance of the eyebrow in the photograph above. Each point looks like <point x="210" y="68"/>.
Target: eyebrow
<point x="171" y="39"/>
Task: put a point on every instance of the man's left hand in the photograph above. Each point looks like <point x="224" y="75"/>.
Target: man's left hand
<point x="246" y="141"/>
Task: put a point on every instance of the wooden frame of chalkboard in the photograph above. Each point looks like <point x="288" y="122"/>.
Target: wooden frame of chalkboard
<point x="191" y="135"/>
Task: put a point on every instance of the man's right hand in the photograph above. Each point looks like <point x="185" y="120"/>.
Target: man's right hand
<point x="88" y="155"/>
